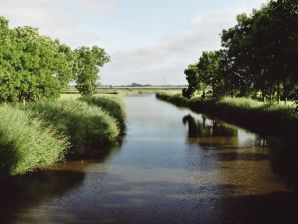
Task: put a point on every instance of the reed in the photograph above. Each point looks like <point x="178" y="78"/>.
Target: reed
<point x="27" y="143"/>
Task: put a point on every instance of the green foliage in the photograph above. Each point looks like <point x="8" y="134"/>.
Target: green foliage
<point x="192" y="77"/>
<point x="34" y="66"/>
<point x="205" y="73"/>
<point x="112" y="105"/>
<point x="27" y="143"/>
<point x="88" y="62"/>
<point x="85" y="125"/>
<point x="258" y="58"/>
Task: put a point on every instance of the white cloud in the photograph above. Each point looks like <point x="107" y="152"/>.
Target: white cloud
<point x="76" y="22"/>
<point x="168" y="57"/>
<point x="60" y="19"/>
<point x="170" y="54"/>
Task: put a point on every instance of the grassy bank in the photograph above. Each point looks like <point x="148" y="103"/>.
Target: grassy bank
<point x="39" y="134"/>
<point x="113" y="105"/>
<point x="85" y="125"/>
<point x="248" y="113"/>
<point x="27" y="143"/>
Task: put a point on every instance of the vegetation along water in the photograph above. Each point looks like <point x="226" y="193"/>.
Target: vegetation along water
<point x="96" y="158"/>
<point x="174" y="166"/>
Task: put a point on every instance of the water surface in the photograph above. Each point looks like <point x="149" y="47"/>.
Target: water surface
<point x="174" y="166"/>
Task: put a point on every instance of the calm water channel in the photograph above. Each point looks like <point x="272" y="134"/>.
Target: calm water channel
<point x="174" y="166"/>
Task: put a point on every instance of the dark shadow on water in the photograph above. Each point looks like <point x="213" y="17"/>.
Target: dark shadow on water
<point x="170" y="202"/>
<point x="100" y="153"/>
<point x="31" y="190"/>
<point x="231" y="156"/>
<point x="17" y="194"/>
<point x="283" y="155"/>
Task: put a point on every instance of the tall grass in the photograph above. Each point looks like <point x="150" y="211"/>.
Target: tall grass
<point x="112" y="105"/>
<point x="27" y="143"/>
<point x="85" y="125"/>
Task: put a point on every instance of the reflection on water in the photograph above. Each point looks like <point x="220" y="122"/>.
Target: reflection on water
<point x="199" y="170"/>
<point x="213" y="134"/>
<point x="282" y="153"/>
<point x="203" y="128"/>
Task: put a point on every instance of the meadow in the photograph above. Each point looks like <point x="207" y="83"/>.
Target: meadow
<point x="72" y="93"/>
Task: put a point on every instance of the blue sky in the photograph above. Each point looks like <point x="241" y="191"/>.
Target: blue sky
<point x="149" y="41"/>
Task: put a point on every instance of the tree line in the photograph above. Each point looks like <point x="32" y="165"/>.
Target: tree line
<point x="35" y="66"/>
<point x="258" y="58"/>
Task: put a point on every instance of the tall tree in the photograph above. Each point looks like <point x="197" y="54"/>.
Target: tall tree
<point x="89" y="60"/>
<point x="193" y="81"/>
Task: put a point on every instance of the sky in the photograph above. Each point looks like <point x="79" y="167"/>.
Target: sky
<point x="149" y="41"/>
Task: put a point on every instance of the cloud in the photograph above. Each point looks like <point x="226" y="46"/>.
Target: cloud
<point x="167" y="58"/>
<point x="144" y="57"/>
<point x="65" y="20"/>
<point x="171" y="54"/>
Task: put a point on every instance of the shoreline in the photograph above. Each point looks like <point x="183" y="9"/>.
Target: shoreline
<point x="264" y="119"/>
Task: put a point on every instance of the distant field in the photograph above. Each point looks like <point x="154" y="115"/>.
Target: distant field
<point x="72" y="93"/>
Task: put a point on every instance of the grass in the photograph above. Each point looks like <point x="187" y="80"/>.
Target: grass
<point x="42" y="133"/>
<point x="251" y="114"/>
<point x="85" y="125"/>
<point x="113" y="105"/>
<point x="27" y="143"/>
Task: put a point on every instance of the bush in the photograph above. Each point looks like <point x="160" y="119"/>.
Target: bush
<point x="27" y="143"/>
<point x="84" y="124"/>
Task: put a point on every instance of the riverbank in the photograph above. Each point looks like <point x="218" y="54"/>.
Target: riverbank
<point x="221" y="174"/>
<point x="42" y="133"/>
<point x="247" y="113"/>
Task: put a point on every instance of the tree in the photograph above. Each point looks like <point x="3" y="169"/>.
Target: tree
<point x="208" y="69"/>
<point x="193" y="81"/>
<point x="89" y="60"/>
<point x="203" y="74"/>
<point x="261" y="50"/>
<point x="32" y="66"/>
<point x="44" y="65"/>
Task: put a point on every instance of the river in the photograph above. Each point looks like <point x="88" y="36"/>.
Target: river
<point x="174" y="166"/>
